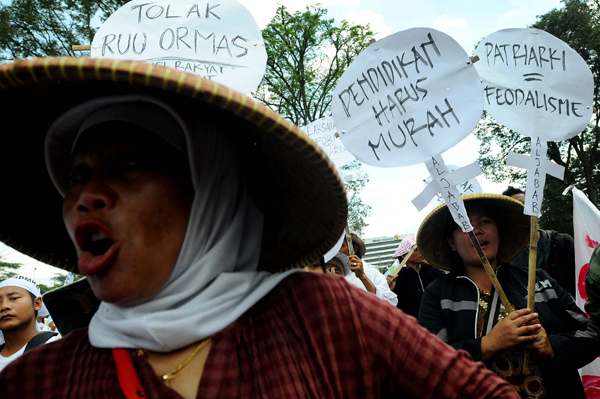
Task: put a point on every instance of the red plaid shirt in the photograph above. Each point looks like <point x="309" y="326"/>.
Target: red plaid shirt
<point x="313" y="336"/>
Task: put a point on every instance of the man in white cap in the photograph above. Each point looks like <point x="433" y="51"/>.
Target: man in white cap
<point x="20" y="302"/>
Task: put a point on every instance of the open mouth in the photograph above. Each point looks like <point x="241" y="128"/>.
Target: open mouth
<point x="481" y="244"/>
<point x="92" y="238"/>
<point x="97" y="243"/>
<point x="97" y="247"/>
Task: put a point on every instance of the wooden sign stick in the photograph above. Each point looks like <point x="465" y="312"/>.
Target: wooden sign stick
<point x="349" y="240"/>
<point x="490" y="272"/>
<point x="533" y="239"/>
<point x="81" y="47"/>
<point x="414" y="247"/>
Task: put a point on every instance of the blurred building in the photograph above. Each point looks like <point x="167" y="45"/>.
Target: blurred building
<point x="380" y="250"/>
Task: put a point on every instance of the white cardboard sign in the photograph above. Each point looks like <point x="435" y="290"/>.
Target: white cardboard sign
<point x="468" y="186"/>
<point x="535" y="84"/>
<point x="444" y="182"/>
<point x="218" y="40"/>
<point x="537" y="168"/>
<point x="323" y="132"/>
<point x="406" y="98"/>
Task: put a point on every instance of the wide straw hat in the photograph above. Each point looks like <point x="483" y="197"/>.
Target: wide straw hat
<point x="358" y="245"/>
<point x="513" y="228"/>
<point x="288" y="175"/>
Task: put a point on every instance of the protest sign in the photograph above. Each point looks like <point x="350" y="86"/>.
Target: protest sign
<point x="535" y="84"/>
<point x="469" y="186"/>
<point x="405" y="100"/>
<point x="444" y="183"/>
<point x="538" y="167"/>
<point x="538" y="86"/>
<point x="407" y="97"/>
<point x="323" y="132"/>
<point x="216" y="40"/>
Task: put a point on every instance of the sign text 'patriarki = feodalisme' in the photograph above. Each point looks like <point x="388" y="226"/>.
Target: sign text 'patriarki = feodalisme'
<point x="538" y="86"/>
<point x="535" y="84"/>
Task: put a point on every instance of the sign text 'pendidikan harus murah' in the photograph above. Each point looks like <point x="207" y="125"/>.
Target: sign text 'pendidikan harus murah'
<point x="407" y="97"/>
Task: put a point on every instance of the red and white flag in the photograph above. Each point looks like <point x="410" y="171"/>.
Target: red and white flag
<point x="586" y="225"/>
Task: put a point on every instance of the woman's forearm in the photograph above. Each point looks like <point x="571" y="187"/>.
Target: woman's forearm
<point x="487" y="348"/>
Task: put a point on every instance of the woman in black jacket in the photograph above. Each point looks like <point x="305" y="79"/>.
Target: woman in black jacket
<point x="463" y="309"/>
<point x="413" y="278"/>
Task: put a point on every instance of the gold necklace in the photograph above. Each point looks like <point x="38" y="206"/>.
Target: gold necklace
<point x="166" y="378"/>
<point x="169" y="376"/>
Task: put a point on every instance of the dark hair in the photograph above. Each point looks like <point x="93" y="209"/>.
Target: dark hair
<point x="33" y="302"/>
<point x="322" y="263"/>
<point x="449" y="225"/>
<point x="510" y="191"/>
<point x="456" y="262"/>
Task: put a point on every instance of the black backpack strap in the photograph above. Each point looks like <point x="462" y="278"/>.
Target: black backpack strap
<point x="39" y="339"/>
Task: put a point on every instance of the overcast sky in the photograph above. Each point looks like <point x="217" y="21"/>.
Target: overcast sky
<point x="391" y="190"/>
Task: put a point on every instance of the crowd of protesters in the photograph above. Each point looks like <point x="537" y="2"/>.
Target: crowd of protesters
<point x="458" y="303"/>
<point x="199" y="275"/>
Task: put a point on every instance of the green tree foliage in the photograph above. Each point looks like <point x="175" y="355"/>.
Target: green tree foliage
<point x="8" y="270"/>
<point x="39" y="28"/>
<point x="57" y="281"/>
<point x="577" y="23"/>
<point x="45" y="288"/>
<point x="308" y="54"/>
<point x="357" y="209"/>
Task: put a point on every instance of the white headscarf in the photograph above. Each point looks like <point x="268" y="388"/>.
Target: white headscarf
<point x="214" y="280"/>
